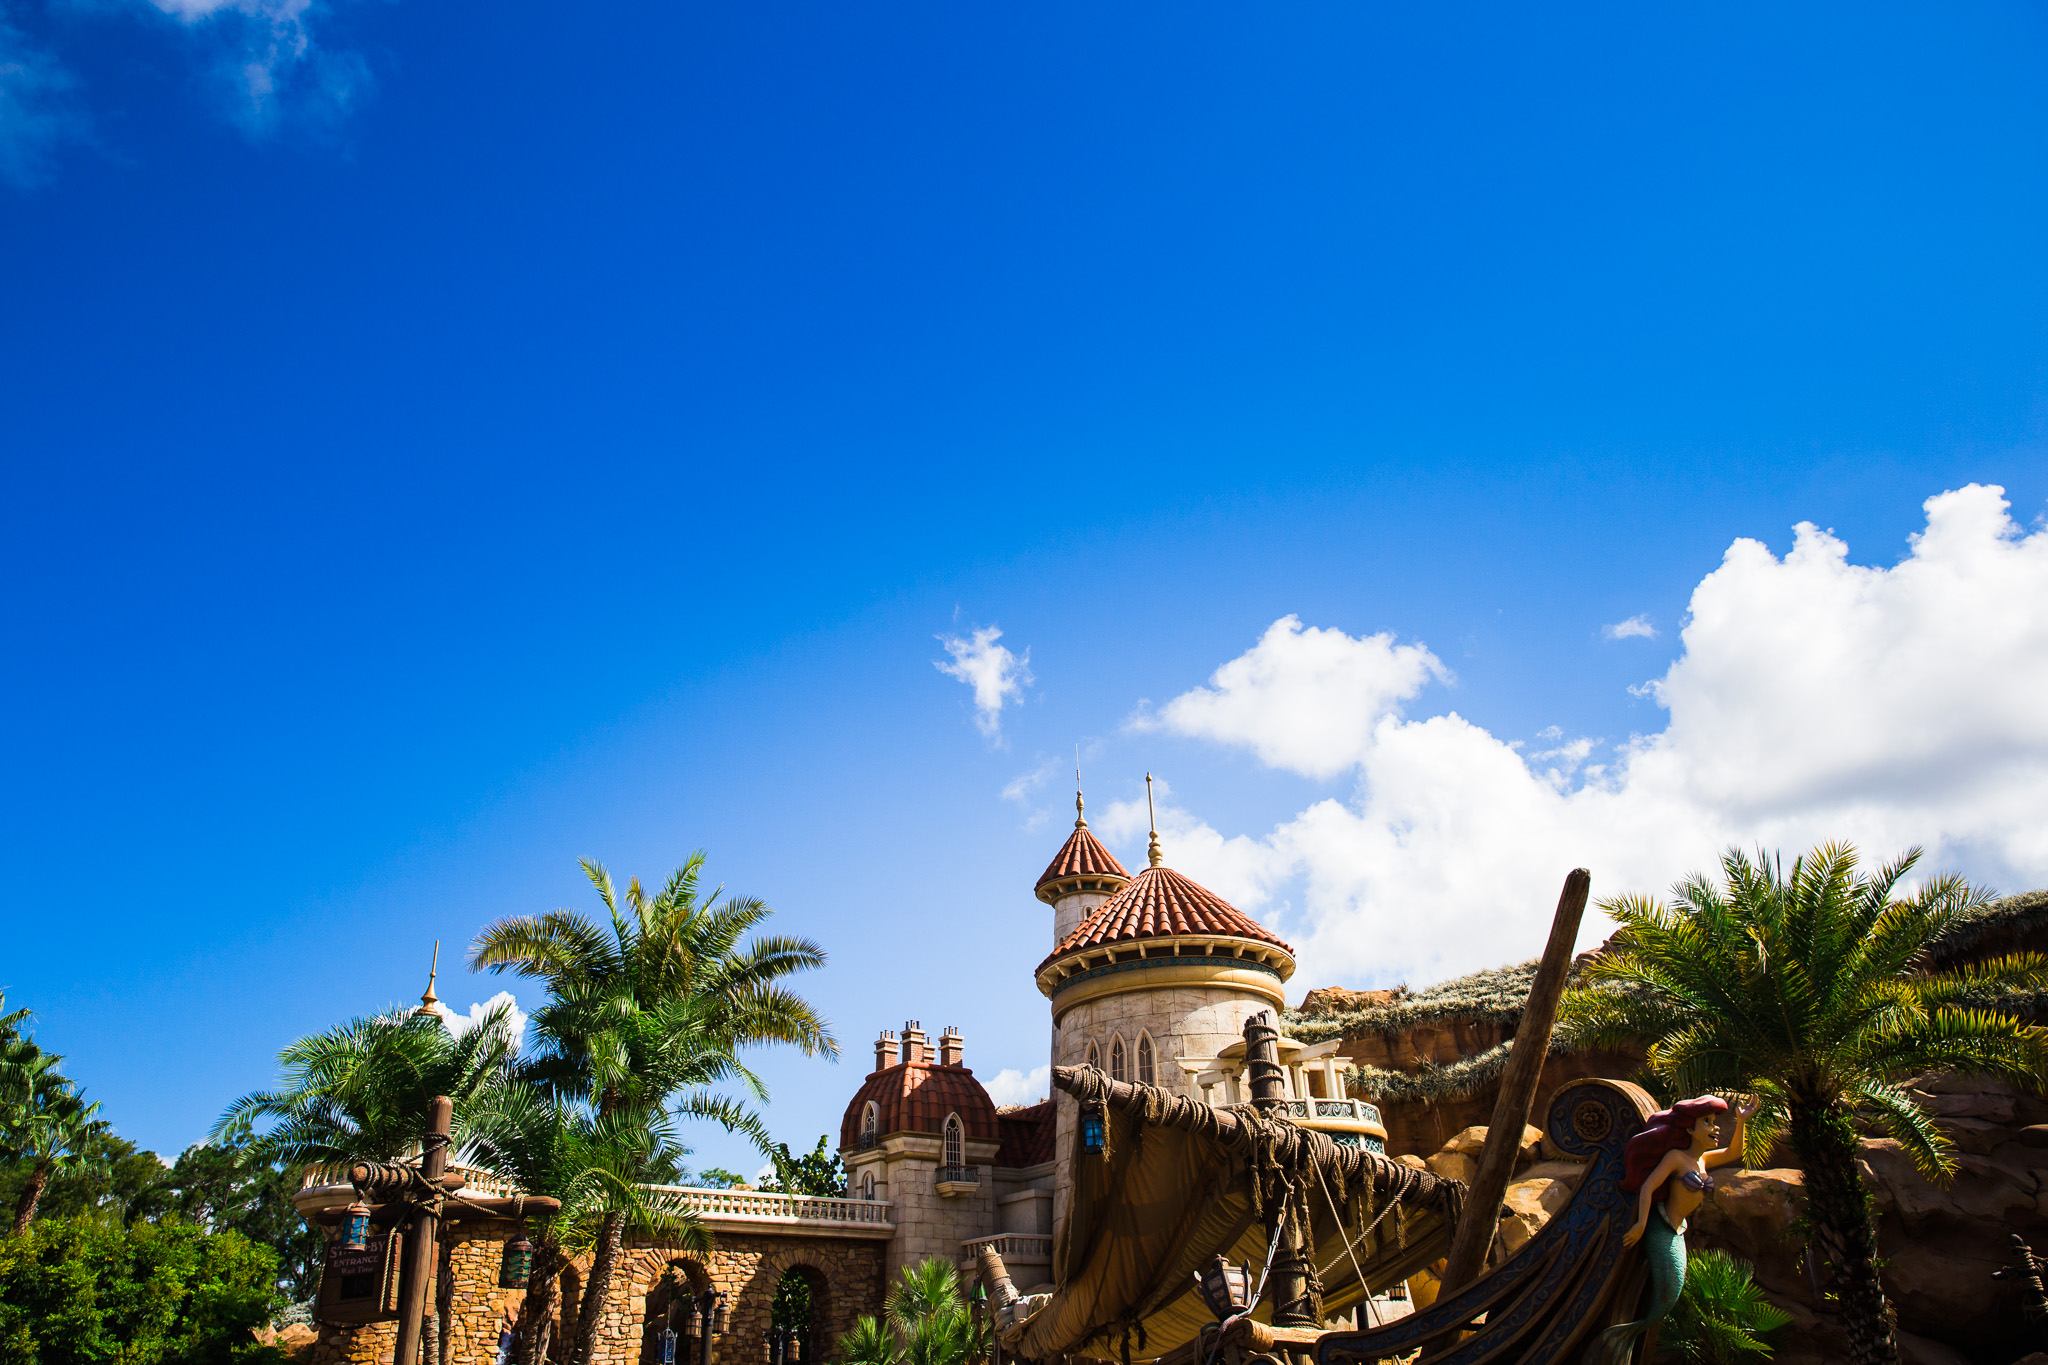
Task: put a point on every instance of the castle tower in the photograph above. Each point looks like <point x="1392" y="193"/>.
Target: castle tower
<point x="1081" y="876"/>
<point x="1154" y="982"/>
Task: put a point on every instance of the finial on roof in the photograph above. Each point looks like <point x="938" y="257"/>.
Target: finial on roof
<point x="428" y="1003"/>
<point x="1153" y="852"/>
<point x="1080" y="814"/>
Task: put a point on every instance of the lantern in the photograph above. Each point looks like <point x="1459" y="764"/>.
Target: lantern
<point x="1226" y="1288"/>
<point x="355" y="1226"/>
<point x="517" y="1263"/>
<point x="721" y="1316"/>
<point x="1094" y="1129"/>
<point x="668" y="1346"/>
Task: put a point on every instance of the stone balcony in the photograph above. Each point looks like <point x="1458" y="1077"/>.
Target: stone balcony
<point x="755" y="1211"/>
<point x="1027" y="1256"/>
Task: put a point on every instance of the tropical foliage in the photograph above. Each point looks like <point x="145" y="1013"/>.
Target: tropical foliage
<point x="1721" y="1317"/>
<point x="817" y="1173"/>
<point x="645" y="1020"/>
<point x="80" y="1290"/>
<point x="1813" y="988"/>
<point x="925" y="1321"/>
<point x="46" y="1127"/>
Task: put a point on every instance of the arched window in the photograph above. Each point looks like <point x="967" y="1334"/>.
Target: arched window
<point x="1117" y="1068"/>
<point x="956" y="1142"/>
<point x="1094" y="1055"/>
<point x="867" y="1186"/>
<point x="870" y="1124"/>
<point x="1148" y="1069"/>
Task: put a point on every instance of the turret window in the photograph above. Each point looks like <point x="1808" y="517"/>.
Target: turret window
<point x="956" y="1142"/>
<point x="1148" y="1070"/>
<point x="867" y="1186"/>
<point x="870" y="1124"/>
<point x="1094" y="1055"/>
<point x="1117" y="1067"/>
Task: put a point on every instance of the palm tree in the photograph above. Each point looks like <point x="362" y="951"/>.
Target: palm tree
<point x="924" y="1321"/>
<point x="1812" y="990"/>
<point x="601" y="1167"/>
<point x="359" y="1091"/>
<point x="44" y="1121"/>
<point x="646" y="1019"/>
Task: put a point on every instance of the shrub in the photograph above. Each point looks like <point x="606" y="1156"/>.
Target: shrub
<point x="89" y="1290"/>
<point x="1721" y="1317"/>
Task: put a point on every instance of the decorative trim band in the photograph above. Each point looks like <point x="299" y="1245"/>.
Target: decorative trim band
<point x="1141" y="963"/>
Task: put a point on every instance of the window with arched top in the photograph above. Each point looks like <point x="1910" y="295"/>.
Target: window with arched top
<point x="1094" y="1055"/>
<point x="1117" y="1066"/>
<point x="1148" y="1066"/>
<point x="956" y="1141"/>
<point x="867" y="1186"/>
<point x="870" y="1124"/>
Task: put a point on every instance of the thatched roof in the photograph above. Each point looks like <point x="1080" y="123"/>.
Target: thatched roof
<point x="1496" y="995"/>
<point x="2008" y="925"/>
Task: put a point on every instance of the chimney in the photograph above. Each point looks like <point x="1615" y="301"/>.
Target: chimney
<point x="913" y="1044"/>
<point x="885" y="1051"/>
<point x="950" y="1047"/>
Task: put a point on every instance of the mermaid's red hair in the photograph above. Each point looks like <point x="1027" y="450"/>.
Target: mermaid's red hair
<point x="1668" y="1130"/>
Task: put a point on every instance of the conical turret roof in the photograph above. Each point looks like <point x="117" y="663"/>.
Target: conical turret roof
<point x="1162" y="903"/>
<point x="1082" y="864"/>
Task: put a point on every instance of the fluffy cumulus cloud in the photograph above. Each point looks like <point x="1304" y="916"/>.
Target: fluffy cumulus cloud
<point x="997" y="676"/>
<point x="1012" y="1086"/>
<point x="1302" y="698"/>
<point x="1813" y="699"/>
<point x="459" y="1024"/>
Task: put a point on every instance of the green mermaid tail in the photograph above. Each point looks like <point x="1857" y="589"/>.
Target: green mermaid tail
<point x="1664" y="1247"/>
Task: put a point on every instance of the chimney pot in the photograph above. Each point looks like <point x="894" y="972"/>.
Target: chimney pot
<point x="913" y="1044"/>
<point x="885" y="1051"/>
<point x="951" y="1047"/>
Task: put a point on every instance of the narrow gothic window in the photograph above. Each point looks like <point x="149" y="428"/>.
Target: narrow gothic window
<point x="867" y="1186"/>
<point x="1094" y="1056"/>
<point x="1116" y="1060"/>
<point x="1147" y="1071"/>
<point x="956" y="1142"/>
<point x="870" y="1121"/>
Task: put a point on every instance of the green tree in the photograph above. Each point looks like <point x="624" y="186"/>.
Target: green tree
<point x="1810" y="988"/>
<point x="359" y="1092"/>
<point x="925" y="1321"/>
<point x="82" y="1290"/>
<point x="46" y="1125"/>
<point x="236" y="1183"/>
<point x="816" y="1173"/>
<point x="719" y="1178"/>
<point x="1721" y="1317"/>
<point x="646" y="1018"/>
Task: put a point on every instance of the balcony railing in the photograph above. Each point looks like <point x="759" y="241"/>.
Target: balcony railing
<point x="959" y="1175"/>
<point x="763" y="1207"/>
<point x="1011" y="1246"/>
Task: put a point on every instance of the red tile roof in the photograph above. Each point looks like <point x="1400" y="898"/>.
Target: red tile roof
<point x="1027" y="1135"/>
<point x="915" y="1097"/>
<point x="1160" y="903"/>
<point x="1082" y="855"/>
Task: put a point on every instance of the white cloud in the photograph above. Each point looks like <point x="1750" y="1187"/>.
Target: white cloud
<point x="1633" y="628"/>
<point x="37" y="112"/>
<point x="1021" y="787"/>
<point x="1814" y="699"/>
<point x="1012" y="1086"/>
<point x="459" y="1024"/>
<point x="268" y="55"/>
<point x="997" y="676"/>
<point x="1302" y="698"/>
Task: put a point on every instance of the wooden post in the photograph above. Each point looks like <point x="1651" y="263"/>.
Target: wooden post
<point x="1517" y="1091"/>
<point x="419" y="1245"/>
<point x="1294" y="1302"/>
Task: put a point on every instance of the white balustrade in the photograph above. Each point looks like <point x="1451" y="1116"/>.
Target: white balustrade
<point x="1011" y="1246"/>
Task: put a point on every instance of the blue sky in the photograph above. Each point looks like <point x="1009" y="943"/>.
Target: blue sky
<point x="444" y="442"/>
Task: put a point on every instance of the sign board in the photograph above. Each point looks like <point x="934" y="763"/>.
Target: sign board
<point x="360" y="1286"/>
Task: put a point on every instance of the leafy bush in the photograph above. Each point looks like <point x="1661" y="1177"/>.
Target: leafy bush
<point x="1721" y="1317"/>
<point x="89" y="1290"/>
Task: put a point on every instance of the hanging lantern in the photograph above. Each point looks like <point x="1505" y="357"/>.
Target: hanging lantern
<point x="355" y="1226"/>
<point x="1094" y="1129"/>
<point x="1226" y="1288"/>
<point x="690" y="1319"/>
<point x="517" y="1263"/>
<point x="721" y="1316"/>
<point x="668" y="1346"/>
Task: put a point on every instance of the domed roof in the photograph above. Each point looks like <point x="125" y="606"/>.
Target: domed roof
<point x="1161" y="903"/>
<point x="915" y="1097"/>
<point x="1082" y="864"/>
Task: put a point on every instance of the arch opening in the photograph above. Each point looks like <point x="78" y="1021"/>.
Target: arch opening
<point x="668" y="1307"/>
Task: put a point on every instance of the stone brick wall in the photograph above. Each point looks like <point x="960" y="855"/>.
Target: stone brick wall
<point x="846" y="1274"/>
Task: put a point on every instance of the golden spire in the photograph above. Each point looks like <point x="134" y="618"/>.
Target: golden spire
<point x="1153" y="852"/>
<point x="1080" y="813"/>
<point x="428" y="1003"/>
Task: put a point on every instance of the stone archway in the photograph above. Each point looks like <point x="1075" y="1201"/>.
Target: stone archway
<point x="789" y="1283"/>
<point x="682" y="1277"/>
